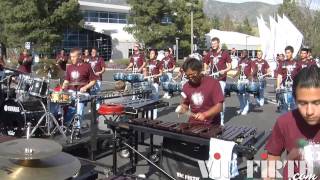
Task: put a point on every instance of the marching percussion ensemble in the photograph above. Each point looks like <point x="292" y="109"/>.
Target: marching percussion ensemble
<point x="51" y="101"/>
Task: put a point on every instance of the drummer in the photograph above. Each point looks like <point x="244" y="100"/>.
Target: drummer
<point x="79" y="78"/>
<point x="25" y="62"/>
<point x="168" y="67"/>
<point x="304" y="58"/>
<point x="244" y="72"/>
<point x="217" y="63"/>
<point x="98" y="66"/>
<point x="137" y="60"/>
<point x="261" y="69"/>
<point x="286" y="71"/>
<point x="153" y="72"/>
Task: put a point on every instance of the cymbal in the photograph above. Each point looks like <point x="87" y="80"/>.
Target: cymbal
<point x="60" y="166"/>
<point x="77" y="84"/>
<point x="34" y="148"/>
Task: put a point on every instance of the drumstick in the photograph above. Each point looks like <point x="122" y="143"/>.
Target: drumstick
<point x="178" y="109"/>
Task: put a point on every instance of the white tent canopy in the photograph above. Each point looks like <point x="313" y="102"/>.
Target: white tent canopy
<point x="234" y="39"/>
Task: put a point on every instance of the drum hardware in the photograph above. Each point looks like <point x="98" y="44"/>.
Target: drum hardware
<point x="49" y="118"/>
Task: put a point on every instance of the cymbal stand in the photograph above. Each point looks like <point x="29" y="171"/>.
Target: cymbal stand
<point x="47" y="116"/>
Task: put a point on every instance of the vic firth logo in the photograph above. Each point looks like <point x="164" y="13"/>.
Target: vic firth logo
<point x="11" y="108"/>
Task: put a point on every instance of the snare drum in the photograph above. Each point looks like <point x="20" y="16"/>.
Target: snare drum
<point x="165" y="86"/>
<point x="131" y="78"/>
<point x="230" y="87"/>
<point x="253" y="87"/>
<point x="145" y="85"/>
<point x="173" y="86"/>
<point x="24" y="83"/>
<point x="61" y="97"/>
<point x="119" y="76"/>
<point x="39" y="87"/>
<point x="140" y="77"/>
<point x="164" y="78"/>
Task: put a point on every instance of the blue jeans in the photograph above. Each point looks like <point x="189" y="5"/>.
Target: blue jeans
<point x="72" y="111"/>
<point x="260" y="97"/>
<point x="244" y="102"/>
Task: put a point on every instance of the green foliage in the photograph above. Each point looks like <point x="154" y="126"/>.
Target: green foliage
<point x="216" y="22"/>
<point x="146" y="16"/>
<point x="306" y="20"/>
<point x="41" y="22"/>
<point x="227" y="24"/>
<point x="224" y="46"/>
<point x="245" y="27"/>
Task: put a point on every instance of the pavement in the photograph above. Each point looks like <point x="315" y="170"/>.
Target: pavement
<point x="261" y="117"/>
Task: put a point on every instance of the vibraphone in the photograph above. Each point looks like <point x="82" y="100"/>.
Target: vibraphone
<point x="247" y="138"/>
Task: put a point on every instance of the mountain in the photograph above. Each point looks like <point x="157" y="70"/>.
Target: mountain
<point x="238" y="11"/>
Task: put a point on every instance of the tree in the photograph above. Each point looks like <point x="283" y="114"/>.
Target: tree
<point x="305" y="19"/>
<point x="41" y="22"/>
<point x="146" y="27"/>
<point x="216" y="22"/>
<point x="244" y="27"/>
<point x="227" y="24"/>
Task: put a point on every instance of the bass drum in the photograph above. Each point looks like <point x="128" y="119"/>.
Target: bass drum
<point x="16" y="114"/>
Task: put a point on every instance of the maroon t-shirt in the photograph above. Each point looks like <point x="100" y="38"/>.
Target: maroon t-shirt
<point x="307" y="63"/>
<point x="259" y="66"/>
<point x="137" y="59"/>
<point x="286" y="65"/>
<point x="63" y="61"/>
<point x="155" y="67"/>
<point x="97" y="63"/>
<point x="245" y="66"/>
<point x="287" y="131"/>
<point x="203" y="97"/>
<point x="25" y="62"/>
<point x="81" y="72"/>
<point x="221" y="59"/>
<point x="168" y="63"/>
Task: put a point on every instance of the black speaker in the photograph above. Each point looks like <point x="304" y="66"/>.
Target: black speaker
<point x="180" y="159"/>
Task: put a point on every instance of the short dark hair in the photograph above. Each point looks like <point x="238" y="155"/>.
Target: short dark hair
<point x="308" y="77"/>
<point x="305" y="49"/>
<point x="215" y="39"/>
<point x="94" y="49"/>
<point x="155" y="51"/>
<point x="290" y="48"/>
<point x="193" y="64"/>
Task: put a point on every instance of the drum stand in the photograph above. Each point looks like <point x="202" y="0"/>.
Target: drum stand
<point x="76" y="118"/>
<point x="49" y="116"/>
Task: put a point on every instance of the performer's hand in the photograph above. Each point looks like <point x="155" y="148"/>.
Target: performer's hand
<point x="97" y="74"/>
<point x="200" y="116"/>
<point x="182" y="109"/>
<point x="83" y="89"/>
<point x="221" y="72"/>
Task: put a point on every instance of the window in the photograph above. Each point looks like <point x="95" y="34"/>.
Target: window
<point x="105" y="17"/>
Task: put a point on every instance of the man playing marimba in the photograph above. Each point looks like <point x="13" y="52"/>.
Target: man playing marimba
<point x="202" y="94"/>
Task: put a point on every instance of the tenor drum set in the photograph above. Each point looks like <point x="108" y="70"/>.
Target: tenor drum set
<point x="245" y="86"/>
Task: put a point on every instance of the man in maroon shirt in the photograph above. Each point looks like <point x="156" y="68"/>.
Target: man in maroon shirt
<point x="137" y="61"/>
<point x="285" y="73"/>
<point x="62" y="60"/>
<point x="261" y="69"/>
<point x="304" y="58"/>
<point x="169" y="65"/>
<point x="79" y="77"/>
<point x="86" y="56"/>
<point x="217" y="63"/>
<point x="244" y="71"/>
<point x="25" y="62"/>
<point x="202" y="94"/>
<point x="298" y="131"/>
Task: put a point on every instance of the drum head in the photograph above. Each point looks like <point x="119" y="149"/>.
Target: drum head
<point x="15" y="114"/>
